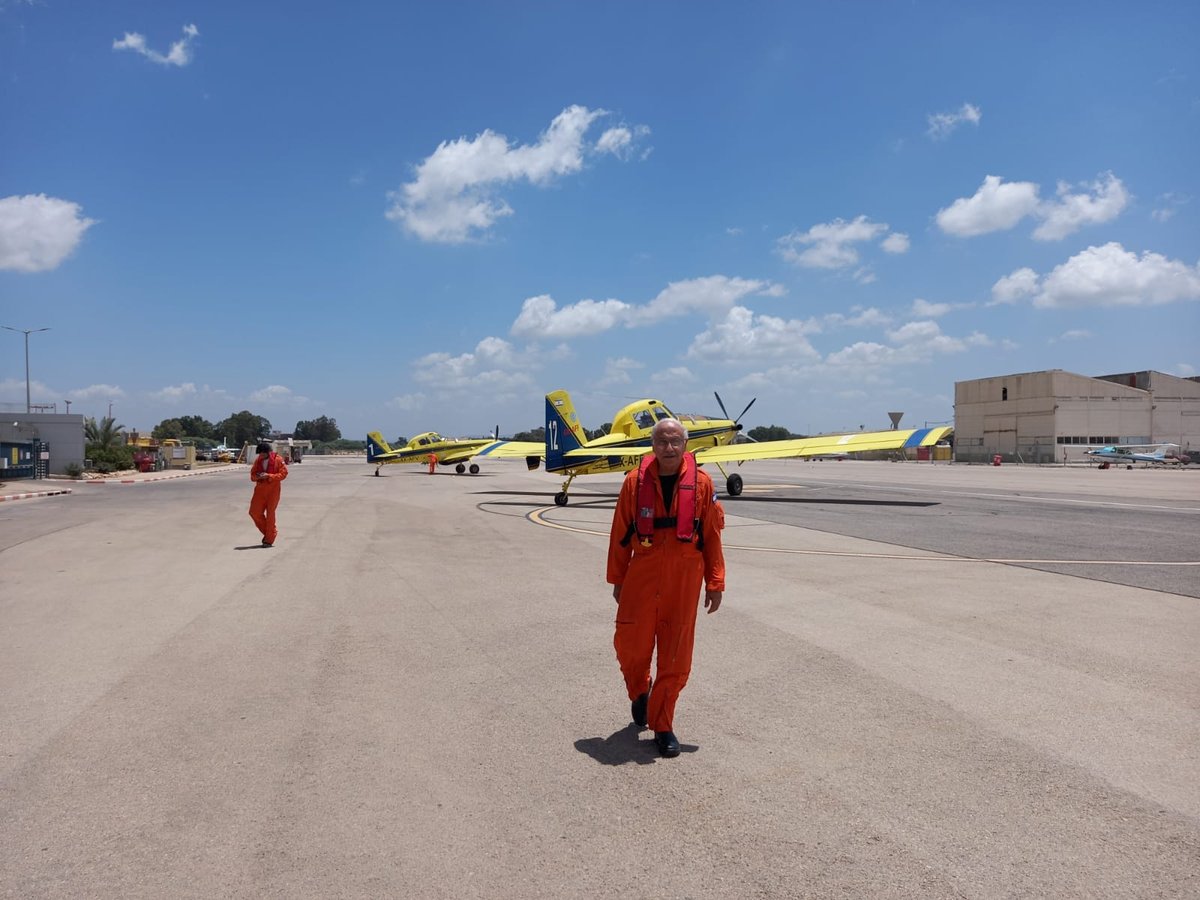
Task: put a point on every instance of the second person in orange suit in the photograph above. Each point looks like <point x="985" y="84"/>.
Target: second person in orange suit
<point x="658" y="567"/>
<point x="267" y="471"/>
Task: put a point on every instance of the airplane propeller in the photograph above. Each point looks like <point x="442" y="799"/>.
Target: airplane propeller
<point x="736" y="426"/>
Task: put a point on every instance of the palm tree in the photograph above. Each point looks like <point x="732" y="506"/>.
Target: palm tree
<point x="106" y="434"/>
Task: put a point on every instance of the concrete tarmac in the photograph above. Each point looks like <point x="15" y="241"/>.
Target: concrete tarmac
<point x="414" y="693"/>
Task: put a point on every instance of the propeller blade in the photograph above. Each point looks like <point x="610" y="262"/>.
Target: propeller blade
<point x="722" y="405"/>
<point x="746" y="410"/>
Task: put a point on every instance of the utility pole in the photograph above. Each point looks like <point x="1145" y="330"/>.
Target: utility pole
<point x="27" y="332"/>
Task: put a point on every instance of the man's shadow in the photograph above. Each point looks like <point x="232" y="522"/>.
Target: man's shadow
<point x="624" y="746"/>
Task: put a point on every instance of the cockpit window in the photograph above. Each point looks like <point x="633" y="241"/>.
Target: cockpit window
<point x="644" y="419"/>
<point x="424" y="441"/>
<point x="661" y="413"/>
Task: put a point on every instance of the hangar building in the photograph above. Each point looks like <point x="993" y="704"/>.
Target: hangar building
<point x="1054" y="416"/>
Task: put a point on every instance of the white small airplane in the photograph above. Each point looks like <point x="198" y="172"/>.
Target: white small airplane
<point x="1128" y="454"/>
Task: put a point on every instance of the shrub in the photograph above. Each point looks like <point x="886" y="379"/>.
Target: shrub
<point x="113" y="458"/>
<point x="74" y="470"/>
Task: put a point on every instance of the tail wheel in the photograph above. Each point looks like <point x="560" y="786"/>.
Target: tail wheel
<point x="474" y="469"/>
<point x="560" y="499"/>
<point x="733" y="486"/>
<point x="460" y="468"/>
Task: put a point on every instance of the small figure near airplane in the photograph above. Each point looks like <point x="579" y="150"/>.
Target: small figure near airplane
<point x="448" y="451"/>
<point x="568" y="451"/>
<point x="1128" y="454"/>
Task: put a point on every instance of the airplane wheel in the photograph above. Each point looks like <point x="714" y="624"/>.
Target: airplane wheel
<point x="474" y="470"/>
<point x="460" y="468"/>
<point x="560" y="499"/>
<point x="733" y="486"/>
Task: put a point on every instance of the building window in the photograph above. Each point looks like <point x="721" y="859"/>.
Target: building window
<point x="1003" y="393"/>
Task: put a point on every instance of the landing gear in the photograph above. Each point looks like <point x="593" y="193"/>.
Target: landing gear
<point x="377" y="468"/>
<point x="733" y="485"/>
<point x="560" y="499"/>
<point x="460" y="468"/>
<point x="474" y="469"/>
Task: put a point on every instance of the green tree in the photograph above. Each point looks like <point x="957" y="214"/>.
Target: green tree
<point x="105" y="434"/>
<point x="537" y="434"/>
<point x="104" y="445"/>
<point x="243" y="428"/>
<point x="167" y="428"/>
<point x="770" y="433"/>
<point x="197" y="427"/>
<point x="321" y="429"/>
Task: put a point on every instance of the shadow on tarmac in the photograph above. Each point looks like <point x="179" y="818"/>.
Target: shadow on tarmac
<point x="828" y="501"/>
<point x="258" y="546"/>
<point x="624" y="746"/>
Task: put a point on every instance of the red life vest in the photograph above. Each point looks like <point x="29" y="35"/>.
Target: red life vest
<point x="684" y="519"/>
<point x="269" y="464"/>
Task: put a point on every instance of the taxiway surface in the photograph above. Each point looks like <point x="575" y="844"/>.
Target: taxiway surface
<point x="414" y="693"/>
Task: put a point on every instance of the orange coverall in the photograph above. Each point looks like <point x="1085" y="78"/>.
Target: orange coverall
<point x="660" y="592"/>
<point x="266" y="493"/>
<point x="432" y="463"/>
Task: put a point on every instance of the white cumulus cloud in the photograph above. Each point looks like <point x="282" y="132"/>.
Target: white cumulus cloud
<point x="493" y="363"/>
<point x="279" y="395"/>
<point x="713" y="295"/>
<point x="743" y="337"/>
<point x="180" y="53"/>
<point x="454" y="196"/>
<point x="942" y="125"/>
<point x="1014" y="286"/>
<point x="996" y="206"/>
<point x="1110" y="275"/>
<point x="38" y="232"/>
<point x="830" y="245"/>
<point x="896" y="242"/>
<point x="540" y="317"/>
<point x="1103" y="202"/>
<point x="97" y="392"/>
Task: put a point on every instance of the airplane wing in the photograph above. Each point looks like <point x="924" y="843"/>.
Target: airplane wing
<point x="826" y="444"/>
<point x="511" y="449"/>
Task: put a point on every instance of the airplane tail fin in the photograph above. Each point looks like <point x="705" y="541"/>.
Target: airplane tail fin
<point x="376" y="445"/>
<point x="563" y="431"/>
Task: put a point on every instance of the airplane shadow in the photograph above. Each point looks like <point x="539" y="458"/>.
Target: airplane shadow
<point x="624" y="746"/>
<point x="828" y="501"/>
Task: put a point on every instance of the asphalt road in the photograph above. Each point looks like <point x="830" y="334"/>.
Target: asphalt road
<point x="414" y="692"/>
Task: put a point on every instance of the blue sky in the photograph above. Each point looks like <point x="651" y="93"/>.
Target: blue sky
<point x="416" y="217"/>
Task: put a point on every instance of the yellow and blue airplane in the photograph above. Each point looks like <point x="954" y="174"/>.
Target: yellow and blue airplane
<point x="568" y="451"/>
<point x="449" y="451"/>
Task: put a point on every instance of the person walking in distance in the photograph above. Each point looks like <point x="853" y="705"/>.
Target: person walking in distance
<point x="432" y="463"/>
<point x="664" y="548"/>
<point x="267" y="471"/>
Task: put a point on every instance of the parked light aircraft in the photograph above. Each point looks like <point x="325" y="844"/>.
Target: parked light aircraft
<point x="1158" y="454"/>
<point x="568" y="452"/>
<point x="449" y="451"/>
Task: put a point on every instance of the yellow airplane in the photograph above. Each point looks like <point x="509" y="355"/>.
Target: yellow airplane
<point x="449" y="451"/>
<point x="569" y="452"/>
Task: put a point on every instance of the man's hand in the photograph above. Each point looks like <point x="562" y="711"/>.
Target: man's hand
<point x="712" y="600"/>
<point x="617" y="592"/>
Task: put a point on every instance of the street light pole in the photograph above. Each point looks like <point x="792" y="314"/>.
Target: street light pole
<point x="27" y="332"/>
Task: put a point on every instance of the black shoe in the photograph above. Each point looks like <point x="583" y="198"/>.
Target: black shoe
<point x="637" y="709"/>
<point x="668" y="744"/>
<point x="267" y="543"/>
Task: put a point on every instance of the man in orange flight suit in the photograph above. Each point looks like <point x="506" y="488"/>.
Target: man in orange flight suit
<point x="432" y="463"/>
<point x="267" y="472"/>
<point x="663" y="548"/>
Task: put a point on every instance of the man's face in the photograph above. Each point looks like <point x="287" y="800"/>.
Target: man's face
<point x="669" y="446"/>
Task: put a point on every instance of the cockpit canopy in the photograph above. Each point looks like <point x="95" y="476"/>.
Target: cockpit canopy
<point x="424" y="440"/>
<point x="639" y="417"/>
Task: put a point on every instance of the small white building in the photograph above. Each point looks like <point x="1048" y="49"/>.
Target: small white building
<point x="1055" y="416"/>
